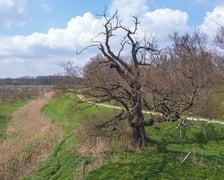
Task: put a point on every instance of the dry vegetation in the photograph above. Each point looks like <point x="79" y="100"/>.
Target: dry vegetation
<point x="96" y="141"/>
<point x="14" y="93"/>
<point x="30" y="137"/>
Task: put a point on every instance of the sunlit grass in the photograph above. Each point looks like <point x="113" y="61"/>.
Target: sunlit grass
<point x="161" y="160"/>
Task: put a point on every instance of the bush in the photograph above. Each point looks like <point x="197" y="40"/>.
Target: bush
<point x="97" y="135"/>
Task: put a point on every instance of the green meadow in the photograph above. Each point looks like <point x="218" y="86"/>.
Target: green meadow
<point x="165" y="158"/>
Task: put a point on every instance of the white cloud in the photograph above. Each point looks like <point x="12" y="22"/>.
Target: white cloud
<point x="41" y="53"/>
<point x="212" y="21"/>
<point x="128" y="8"/>
<point x="12" y="12"/>
<point x="163" y="22"/>
<point x="77" y="34"/>
<point x="159" y="23"/>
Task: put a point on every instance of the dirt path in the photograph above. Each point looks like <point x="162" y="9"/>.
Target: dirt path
<point x="83" y="98"/>
<point x="29" y="126"/>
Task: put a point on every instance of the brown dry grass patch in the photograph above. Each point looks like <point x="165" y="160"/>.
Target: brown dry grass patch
<point x="96" y="140"/>
<point x="30" y="137"/>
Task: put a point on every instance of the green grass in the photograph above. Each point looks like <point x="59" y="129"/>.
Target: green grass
<point x="161" y="160"/>
<point x="60" y="164"/>
<point x="64" y="111"/>
<point x="63" y="162"/>
<point x="5" y="110"/>
<point x="151" y="164"/>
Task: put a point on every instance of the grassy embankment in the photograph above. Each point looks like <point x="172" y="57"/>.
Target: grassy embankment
<point x="63" y="162"/>
<point x="162" y="160"/>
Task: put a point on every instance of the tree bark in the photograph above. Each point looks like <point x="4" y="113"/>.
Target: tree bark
<point x="138" y="136"/>
<point x="136" y="118"/>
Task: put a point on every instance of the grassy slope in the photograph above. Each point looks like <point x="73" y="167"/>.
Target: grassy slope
<point x="63" y="163"/>
<point x="160" y="161"/>
<point x="5" y="110"/>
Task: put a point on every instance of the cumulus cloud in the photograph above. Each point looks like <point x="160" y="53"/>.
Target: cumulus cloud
<point x="163" y="22"/>
<point x="77" y="34"/>
<point x="212" y="21"/>
<point x="12" y="12"/>
<point x="41" y="53"/>
<point x="128" y="8"/>
<point x="159" y="23"/>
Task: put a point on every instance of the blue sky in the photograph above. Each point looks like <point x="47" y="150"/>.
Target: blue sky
<point x="36" y="36"/>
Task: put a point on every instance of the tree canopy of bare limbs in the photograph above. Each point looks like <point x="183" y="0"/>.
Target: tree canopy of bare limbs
<point x="219" y="42"/>
<point x="168" y="80"/>
<point x="219" y="39"/>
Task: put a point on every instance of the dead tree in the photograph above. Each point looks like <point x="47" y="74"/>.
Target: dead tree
<point x="164" y="80"/>
<point x="114" y="76"/>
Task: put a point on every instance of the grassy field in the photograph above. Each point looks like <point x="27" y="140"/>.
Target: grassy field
<point x="161" y="160"/>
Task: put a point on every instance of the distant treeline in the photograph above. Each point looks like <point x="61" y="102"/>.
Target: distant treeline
<point x="39" y="80"/>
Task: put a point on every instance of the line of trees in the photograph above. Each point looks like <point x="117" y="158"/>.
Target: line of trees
<point x="15" y="93"/>
<point x="39" y="80"/>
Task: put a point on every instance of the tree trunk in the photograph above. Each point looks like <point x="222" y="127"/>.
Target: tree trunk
<point x="136" y="118"/>
<point x="138" y="131"/>
<point x="138" y="136"/>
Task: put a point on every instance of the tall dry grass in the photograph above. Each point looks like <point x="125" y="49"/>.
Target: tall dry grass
<point x="30" y="137"/>
<point x="97" y="137"/>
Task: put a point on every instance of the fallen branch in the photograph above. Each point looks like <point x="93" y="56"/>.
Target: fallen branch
<point x="185" y="158"/>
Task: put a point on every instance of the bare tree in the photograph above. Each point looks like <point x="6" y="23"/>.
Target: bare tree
<point x="167" y="80"/>
<point x="219" y="54"/>
<point x="219" y="38"/>
<point x="116" y="77"/>
<point x="69" y="79"/>
<point x="179" y="77"/>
